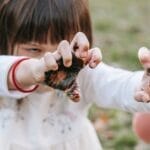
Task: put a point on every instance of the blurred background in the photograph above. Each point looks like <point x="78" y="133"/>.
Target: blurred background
<point x="120" y="28"/>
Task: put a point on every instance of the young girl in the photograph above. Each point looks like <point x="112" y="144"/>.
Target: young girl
<point x="46" y="119"/>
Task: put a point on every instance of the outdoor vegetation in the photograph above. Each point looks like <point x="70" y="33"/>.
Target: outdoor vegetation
<point x="120" y="28"/>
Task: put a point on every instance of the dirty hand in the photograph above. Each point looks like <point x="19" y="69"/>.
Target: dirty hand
<point x="143" y="93"/>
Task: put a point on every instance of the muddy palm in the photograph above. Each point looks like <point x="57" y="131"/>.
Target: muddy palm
<point x="65" y="78"/>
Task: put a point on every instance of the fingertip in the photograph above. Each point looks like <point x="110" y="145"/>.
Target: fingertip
<point x="67" y="58"/>
<point x="98" y="53"/>
<point x="144" y="57"/>
<point x="50" y="62"/>
<point x="143" y="52"/>
<point x="67" y="63"/>
<point x="144" y="48"/>
<point x="55" y="67"/>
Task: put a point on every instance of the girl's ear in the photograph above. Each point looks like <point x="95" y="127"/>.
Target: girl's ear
<point x="144" y="57"/>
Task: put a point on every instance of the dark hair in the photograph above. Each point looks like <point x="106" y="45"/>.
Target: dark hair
<point x="22" y="21"/>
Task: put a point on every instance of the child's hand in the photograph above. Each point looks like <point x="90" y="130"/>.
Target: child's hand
<point x="80" y="45"/>
<point x="143" y="93"/>
<point x="81" y="55"/>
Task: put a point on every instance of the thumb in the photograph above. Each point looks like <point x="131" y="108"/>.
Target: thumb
<point x="144" y="57"/>
<point x="38" y="68"/>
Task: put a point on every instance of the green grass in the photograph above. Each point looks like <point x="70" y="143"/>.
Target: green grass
<point x="120" y="28"/>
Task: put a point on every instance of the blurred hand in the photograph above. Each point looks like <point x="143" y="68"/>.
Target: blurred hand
<point x="143" y="93"/>
<point x="80" y="45"/>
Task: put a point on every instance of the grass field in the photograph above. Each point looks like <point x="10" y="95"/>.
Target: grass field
<point x="120" y="28"/>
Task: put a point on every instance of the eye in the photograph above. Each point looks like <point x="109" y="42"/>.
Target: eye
<point x="34" y="50"/>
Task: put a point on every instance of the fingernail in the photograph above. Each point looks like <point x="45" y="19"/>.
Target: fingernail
<point x="68" y="63"/>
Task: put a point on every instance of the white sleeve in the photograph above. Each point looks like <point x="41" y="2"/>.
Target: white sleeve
<point x="111" y="88"/>
<point x="5" y="64"/>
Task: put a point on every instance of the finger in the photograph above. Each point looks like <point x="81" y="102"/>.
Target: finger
<point x="80" y="45"/>
<point x="144" y="57"/>
<point x="46" y="63"/>
<point x="50" y="61"/>
<point x="95" y="57"/>
<point x="65" y="51"/>
<point x="142" y="96"/>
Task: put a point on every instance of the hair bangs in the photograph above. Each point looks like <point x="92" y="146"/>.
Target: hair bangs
<point x="42" y="21"/>
<point x="49" y="21"/>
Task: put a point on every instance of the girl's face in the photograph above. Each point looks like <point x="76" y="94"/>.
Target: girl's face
<point x="34" y="49"/>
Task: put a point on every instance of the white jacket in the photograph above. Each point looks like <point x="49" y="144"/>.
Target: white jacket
<point x="50" y="120"/>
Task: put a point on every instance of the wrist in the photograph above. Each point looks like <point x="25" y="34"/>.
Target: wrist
<point x="20" y="77"/>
